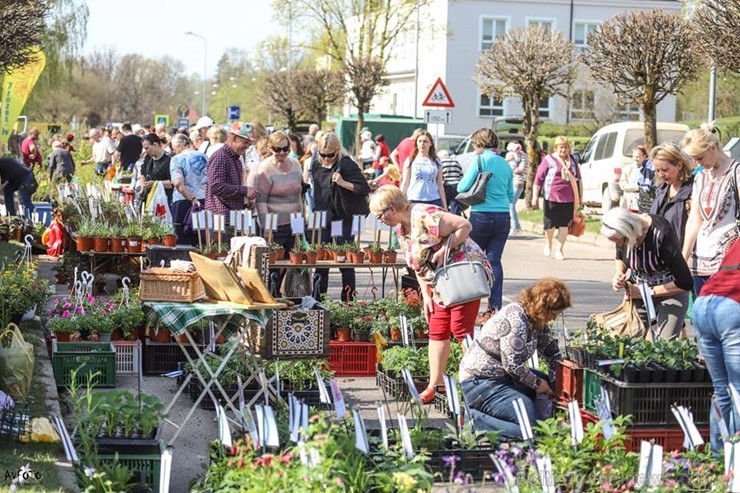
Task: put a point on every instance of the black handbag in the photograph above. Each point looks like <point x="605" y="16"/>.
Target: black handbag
<point x="346" y="203"/>
<point x="477" y="193"/>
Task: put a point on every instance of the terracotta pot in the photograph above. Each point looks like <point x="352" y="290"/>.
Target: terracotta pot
<point x="358" y="257"/>
<point x="133" y="245"/>
<point x="182" y="338"/>
<point x="339" y="257"/>
<point x="320" y="254"/>
<point x="221" y="339"/>
<point x="154" y="241"/>
<point x="395" y="334"/>
<point x="117" y="245"/>
<point x="296" y="258"/>
<point x="84" y="243"/>
<point x="142" y="245"/>
<point x="344" y="334"/>
<point x="100" y="244"/>
<point x="280" y="254"/>
<point x="390" y="256"/>
<point x="62" y="336"/>
<point x="272" y="257"/>
<point x="170" y="240"/>
<point x="162" y="335"/>
<point x="117" y="334"/>
<point x="376" y="257"/>
<point x="18" y="234"/>
<point x="312" y="257"/>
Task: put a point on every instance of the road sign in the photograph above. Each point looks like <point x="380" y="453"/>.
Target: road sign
<point x="233" y="112"/>
<point x="439" y="96"/>
<point x="438" y="116"/>
<point x="183" y="111"/>
<point x="162" y="119"/>
<point x="183" y="123"/>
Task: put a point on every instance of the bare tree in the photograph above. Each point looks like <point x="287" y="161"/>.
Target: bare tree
<point x="645" y="56"/>
<point x="533" y="63"/>
<point x="319" y="89"/>
<point x="716" y="24"/>
<point x="280" y="97"/>
<point x="21" y="29"/>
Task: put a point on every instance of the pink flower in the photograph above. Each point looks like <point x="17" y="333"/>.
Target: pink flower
<point x="66" y="314"/>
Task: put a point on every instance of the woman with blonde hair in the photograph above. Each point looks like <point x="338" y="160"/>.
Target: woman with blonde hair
<point x="217" y="137"/>
<point x="712" y="224"/>
<point x="673" y="195"/>
<point x="558" y="177"/>
<point x="429" y="235"/>
<point x="494" y="371"/>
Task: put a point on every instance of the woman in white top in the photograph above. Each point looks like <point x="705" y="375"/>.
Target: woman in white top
<point x="422" y="174"/>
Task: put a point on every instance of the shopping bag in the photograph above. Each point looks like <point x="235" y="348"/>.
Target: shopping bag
<point x="156" y="203"/>
<point x="623" y="320"/>
<point x="16" y="363"/>
<point x="577" y="226"/>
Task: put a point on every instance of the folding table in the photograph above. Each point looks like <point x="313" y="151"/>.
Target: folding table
<point x="177" y="317"/>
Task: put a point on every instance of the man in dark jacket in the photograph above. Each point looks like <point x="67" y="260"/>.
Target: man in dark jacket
<point x="15" y="176"/>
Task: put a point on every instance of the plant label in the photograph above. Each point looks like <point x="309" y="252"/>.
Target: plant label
<point x="265" y="387"/>
<point x="297" y="225"/>
<point x="404" y="329"/>
<point x="453" y="399"/>
<point x="360" y="433"/>
<point x="534" y="361"/>
<point x="224" y="430"/>
<point x="338" y="399"/>
<point x="648" y="300"/>
<point x="249" y="425"/>
<point x="303" y="411"/>
<point x="336" y="228"/>
<point x="234" y="219"/>
<point x="720" y="419"/>
<point x="603" y="410"/>
<point x="209" y="220"/>
<point x="686" y="420"/>
<point x="406" y="373"/>
<point x="4" y="211"/>
<point x="651" y="465"/>
<point x="323" y="393"/>
<point x="270" y="222"/>
<point x="267" y="424"/>
<point x="247" y="223"/>
<point x="576" y="423"/>
<point x="358" y="224"/>
<point x="294" y="418"/>
<point x="732" y="464"/>
<point x="544" y="470"/>
<point x="408" y="449"/>
<point x="195" y="219"/>
<point x="372" y="223"/>
<point x="509" y="480"/>
<point x="383" y="426"/>
<point x="521" y="414"/>
<point x="218" y="222"/>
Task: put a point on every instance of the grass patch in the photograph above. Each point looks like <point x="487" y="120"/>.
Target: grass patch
<point x="39" y="456"/>
<point x="593" y="224"/>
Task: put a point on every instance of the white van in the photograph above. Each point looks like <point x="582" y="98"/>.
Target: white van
<point x="611" y="148"/>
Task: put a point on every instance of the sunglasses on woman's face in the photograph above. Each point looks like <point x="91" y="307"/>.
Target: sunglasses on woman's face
<point x="329" y="155"/>
<point x="278" y="150"/>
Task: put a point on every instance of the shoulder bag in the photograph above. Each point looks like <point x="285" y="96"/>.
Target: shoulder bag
<point x="477" y="193"/>
<point x="463" y="281"/>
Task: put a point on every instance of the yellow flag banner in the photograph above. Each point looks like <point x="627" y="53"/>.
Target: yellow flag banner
<point x="17" y="86"/>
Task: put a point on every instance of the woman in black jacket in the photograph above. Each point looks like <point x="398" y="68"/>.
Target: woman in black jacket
<point x="335" y="174"/>
<point x="673" y="195"/>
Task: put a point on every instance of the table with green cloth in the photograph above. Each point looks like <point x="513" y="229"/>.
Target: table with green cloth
<point x="177" y="317"/>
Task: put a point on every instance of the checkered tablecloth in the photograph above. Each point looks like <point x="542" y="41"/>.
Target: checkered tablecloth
<point x="177" y="317"/>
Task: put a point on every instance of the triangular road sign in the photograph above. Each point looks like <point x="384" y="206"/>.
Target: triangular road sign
<point x="439" y="96"/>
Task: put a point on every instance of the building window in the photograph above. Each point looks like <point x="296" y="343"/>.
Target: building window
<point x="492" y="28"/>
<point x="629" y="112"/>
<point x="581" y="104"/>
<point x="490" y="106"/>
<point x="545" y="108"/>
<point x="548" y="24"/>
<point x="580" y="33"/>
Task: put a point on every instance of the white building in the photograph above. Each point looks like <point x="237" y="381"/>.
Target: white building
<point x="454" y="34"/>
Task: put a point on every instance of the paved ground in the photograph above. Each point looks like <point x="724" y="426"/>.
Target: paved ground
<point x="587" y="272"/>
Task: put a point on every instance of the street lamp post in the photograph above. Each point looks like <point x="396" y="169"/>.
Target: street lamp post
<point x="205" y="66"/>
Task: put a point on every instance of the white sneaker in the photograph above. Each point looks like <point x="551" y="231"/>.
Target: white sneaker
<point x="559" y="255"/>
<point x="515" y="232"/>
<point x="547" y="251"/>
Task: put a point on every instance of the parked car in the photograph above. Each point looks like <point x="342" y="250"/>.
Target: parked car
<point x="508" y="130"/>
<point x="448" y="143"/>
<point x="608" y="151"/>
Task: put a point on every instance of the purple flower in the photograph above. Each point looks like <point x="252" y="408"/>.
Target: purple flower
<point x="450" y="460"/>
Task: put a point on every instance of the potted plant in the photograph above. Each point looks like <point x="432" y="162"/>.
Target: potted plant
<point x="376" y="254"/>
<point x="311" y="254"/>
<point x="390" y="256"/>
<point x="340" y="254"/>
<point x="104" y="327"/>
<point x="296" y="254"/>
<point x="320" y="251"/>
<point x="85" y="232"/>
<point x="276" y="252"/>
<point x="133" y="237"/>
<point x="62" y="327"/>
<point x="329" y="251"/>
<point x="169" y="238"/>
<point x="128" y="320"/>
<point x="117" y="240"/>
<point x="361" y="327"/>
<point x="101" y="237"/>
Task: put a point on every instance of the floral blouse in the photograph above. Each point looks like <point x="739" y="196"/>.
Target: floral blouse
<point x="424" y="240"/>
<point x="505" y="344"/>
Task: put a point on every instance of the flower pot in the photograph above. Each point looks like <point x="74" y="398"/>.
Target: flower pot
<point x="320" y="254"/>
<point x="162" y="335"/>
<point x="182" y="338"/>
<point x="99" y="287"/>
<point x="361" y="335"/>
<point x="685" y="375"/>
<point x="100" y="244"/>
<point x="272" y="257"/>
<point x="390" y="256"/>
<point x="395" y="334"/>
<point x="104" y="336"/>
<point x="312" y="257"/>
<point x="339" y="258"/>
<point x="117" y="245"/>
<point x="18" y="235"/>
<point x="170" y="240"/>
<point x="630" y="374"/>
<point x="296" y="258"/>
<point x="344" y="334"/>
<point x="142" y="245"/>
<point x="117" y="334"/>
<point x="133" y="245"/>
<point x="84" y="243"/>
<point x="62" y="336"/>
<point x="280" y="254"/>
<point x="376" y="257"/>
<point x="358" y="257"/>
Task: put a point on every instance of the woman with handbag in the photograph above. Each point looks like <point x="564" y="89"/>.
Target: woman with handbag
<point x="676" y="180"/>
<point x="494" y="372"/>
<point x="432" y="241"/>
<point x="647" y="247"/>
<point x="490" y="218"/>
<point x="340" y="189"/>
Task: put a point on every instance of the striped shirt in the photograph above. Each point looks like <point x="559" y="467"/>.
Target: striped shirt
<point x="225" y="191"/>
<point x="279" y="192"/>
<point x="452" y="172"/>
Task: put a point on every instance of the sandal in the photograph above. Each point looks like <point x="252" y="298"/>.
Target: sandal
<point x="427" y="395"/>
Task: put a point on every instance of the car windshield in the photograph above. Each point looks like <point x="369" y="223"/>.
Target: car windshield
<point x="448" y="143"/>
<point x="636" y="137"/>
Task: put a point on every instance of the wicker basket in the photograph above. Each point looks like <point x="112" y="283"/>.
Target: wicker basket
<point x="160" y="284"/>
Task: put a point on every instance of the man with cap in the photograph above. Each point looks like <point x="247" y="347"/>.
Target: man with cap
<point x="202" y="126"/>
<point x="226" y="188"/>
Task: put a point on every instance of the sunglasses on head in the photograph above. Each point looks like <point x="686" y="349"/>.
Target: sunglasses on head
<point x="278" y="150"/>
<point x="328" y="155"/>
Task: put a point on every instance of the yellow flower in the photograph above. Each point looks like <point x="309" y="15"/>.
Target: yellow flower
<point x="404" y="481"/>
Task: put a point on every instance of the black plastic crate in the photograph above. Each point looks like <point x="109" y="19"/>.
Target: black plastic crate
<point x="396" y="386"/>
<point x="156" y="253"/>
<point x="649" y="404"/>
<point x="163" y="357"/>
<point x="472" y="463"/>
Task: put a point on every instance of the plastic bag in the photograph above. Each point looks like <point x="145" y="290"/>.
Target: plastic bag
<point x="156" y="203"/>
<point x="42" y="431"/>
<point x="16" y="364"/>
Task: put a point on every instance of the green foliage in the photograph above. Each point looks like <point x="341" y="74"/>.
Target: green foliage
<point x="20" y="290"/>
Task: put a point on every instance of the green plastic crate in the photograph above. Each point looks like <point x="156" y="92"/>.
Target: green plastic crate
<point x="148" y="466"/>
<point x="86" y="358"/>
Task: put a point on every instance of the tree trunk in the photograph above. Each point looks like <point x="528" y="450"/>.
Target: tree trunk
<point x="530" y="129"/>
<point x="361" y="109"/>
<point x="649" y="111"/>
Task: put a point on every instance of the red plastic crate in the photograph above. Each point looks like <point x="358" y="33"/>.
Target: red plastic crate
<point x="569" y="381"/>
<point x="353" y="359"/>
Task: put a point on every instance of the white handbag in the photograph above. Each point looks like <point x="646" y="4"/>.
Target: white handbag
<point x="463" y="281"/>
